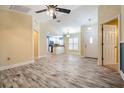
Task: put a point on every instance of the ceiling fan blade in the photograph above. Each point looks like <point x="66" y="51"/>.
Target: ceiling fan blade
<point x="63" y="10"/>
<point x="41" y="11"/>
<point x="56" y="5"/>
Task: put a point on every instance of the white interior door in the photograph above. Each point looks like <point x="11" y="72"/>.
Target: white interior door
<point x="91" y="43"/>
<point x="109" y="44"/>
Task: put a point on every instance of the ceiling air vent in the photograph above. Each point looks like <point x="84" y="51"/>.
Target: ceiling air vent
<point x="20" y="8"/>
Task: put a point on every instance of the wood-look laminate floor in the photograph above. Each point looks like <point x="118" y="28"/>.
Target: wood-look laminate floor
<point x="61" y="71"/>
<point x="112" y="66"/>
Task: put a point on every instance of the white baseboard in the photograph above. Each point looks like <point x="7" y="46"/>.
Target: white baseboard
<point x="16" y="65"/>
<point x="82" y="56"/>
<point x="122" y="74"/>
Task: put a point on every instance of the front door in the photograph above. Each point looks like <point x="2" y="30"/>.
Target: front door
<point x="91" y="44"/>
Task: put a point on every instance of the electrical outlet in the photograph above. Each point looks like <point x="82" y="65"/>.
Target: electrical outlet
<point x="8" y="58"/>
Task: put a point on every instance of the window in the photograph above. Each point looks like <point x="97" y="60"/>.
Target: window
<point x="76" y="43"/>
<point x="57" y="40"/>
<point x="70" y="44"/>
<point x="61" y="41"/>
<point x="73" y="43"/>
<point x="91" y="40"/>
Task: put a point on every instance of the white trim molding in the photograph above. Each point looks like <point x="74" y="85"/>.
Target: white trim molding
<point x="40" y="57"/>
<point x="43" y="56"/>
<point x="121" y="41"/>
<point x="122" y="74"/>
<point x="16" y="65"/>
<point x="83" y="56"/>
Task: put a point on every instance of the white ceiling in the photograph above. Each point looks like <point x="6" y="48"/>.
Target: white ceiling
<point x="79" y="15"/>
<point x="43" y="17"/>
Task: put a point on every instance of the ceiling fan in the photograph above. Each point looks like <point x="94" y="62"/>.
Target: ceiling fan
<point x="52" y="9"/>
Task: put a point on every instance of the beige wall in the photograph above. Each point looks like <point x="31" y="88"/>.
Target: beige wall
<point x="122" y="23"/>
<point x="43" y="42"/>
<point x="65" y="44"/>
<point x="105" y="13"/>
<point x="15" y="38"/>
<point x="82" y="40"/>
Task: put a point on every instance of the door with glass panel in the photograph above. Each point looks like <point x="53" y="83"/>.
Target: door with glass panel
<point x="90" y="39"/>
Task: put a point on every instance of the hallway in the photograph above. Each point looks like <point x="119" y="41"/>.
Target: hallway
<point x="61" y="71"/>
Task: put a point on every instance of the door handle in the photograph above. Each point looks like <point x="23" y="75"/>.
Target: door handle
<point x="115" y="46"/>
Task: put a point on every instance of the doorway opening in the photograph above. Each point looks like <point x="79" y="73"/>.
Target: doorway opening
<point x="110" y="44"/>
<point x="35" y="45"/>
<point x="55" y="45"/>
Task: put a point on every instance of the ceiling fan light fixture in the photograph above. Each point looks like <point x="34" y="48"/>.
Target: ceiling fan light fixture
<point x="50" y="11"/>
<point x="47" y="12"/>
<point x="89" y="27"/>
<point x="50" y="14"/>
<point x="68" y="35"/>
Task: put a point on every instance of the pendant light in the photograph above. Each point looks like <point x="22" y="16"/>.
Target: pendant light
<point x="89" y="26"/>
